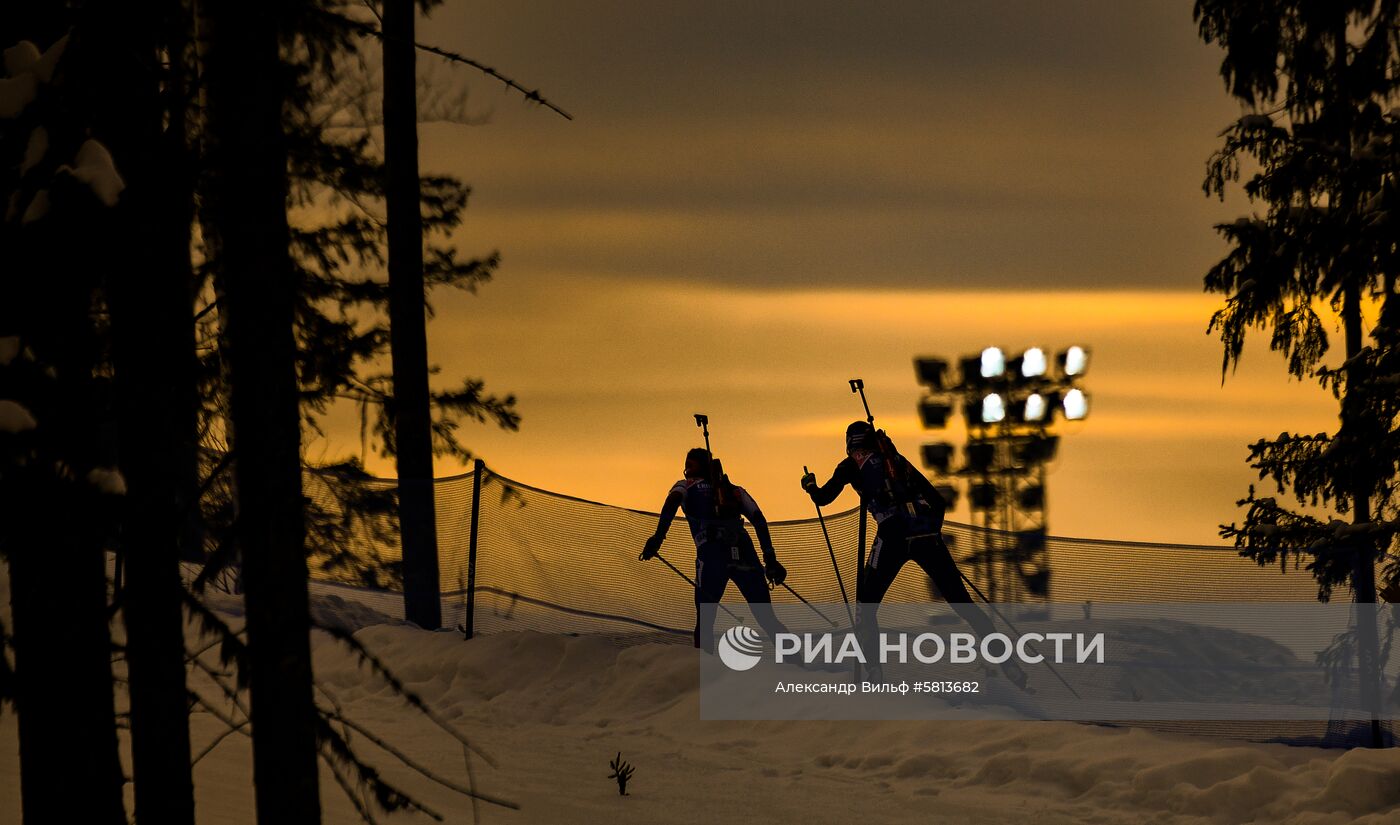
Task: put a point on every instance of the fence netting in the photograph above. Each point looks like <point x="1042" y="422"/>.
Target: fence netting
<point x="554" y="563"/>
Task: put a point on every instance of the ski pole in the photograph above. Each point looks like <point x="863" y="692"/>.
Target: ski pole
<point x="858" y="386"/>
<point x="834" y="566"/>
<point x="860" y="567"/>
<point x="825" y="618"/>
<point x="691" y="582"/>
<point x="1014" y="629"/>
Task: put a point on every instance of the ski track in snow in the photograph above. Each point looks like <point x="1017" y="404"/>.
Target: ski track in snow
<point x="553" y="710"/>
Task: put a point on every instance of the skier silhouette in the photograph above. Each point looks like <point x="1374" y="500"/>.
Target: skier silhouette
<point x="909" y="512"/>
<point x="715" y="509"/>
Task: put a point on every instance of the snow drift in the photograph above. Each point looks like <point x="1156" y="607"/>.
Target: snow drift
<point x="554" y="709"/>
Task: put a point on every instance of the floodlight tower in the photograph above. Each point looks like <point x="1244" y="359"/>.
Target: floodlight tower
<point x="1009" y="406"/>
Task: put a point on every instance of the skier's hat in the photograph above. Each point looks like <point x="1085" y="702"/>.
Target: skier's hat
<point x="700" y="458"/>
<point x="860" y="436"/>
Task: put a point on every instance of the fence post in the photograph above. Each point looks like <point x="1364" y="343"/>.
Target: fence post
<point x="469" y="622"/>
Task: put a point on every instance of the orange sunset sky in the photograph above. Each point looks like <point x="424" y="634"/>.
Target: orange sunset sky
<point x="758" y="201"/>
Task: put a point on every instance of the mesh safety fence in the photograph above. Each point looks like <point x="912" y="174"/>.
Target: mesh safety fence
<point x="554" y="563"/>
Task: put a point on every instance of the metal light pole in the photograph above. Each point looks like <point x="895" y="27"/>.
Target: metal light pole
<point x="1010" y="407"/>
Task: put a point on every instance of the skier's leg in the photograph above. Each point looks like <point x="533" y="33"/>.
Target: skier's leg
<point x="752" y="584"/>
<point x="711" y="576"/>
<point x="932" y="555"/>
<point x="886" y="558"/>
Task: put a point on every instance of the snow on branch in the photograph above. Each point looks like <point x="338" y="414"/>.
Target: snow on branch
<point x="27" y="70"/>
<point x="93" y="166"/>
<point x="15" y="417"/>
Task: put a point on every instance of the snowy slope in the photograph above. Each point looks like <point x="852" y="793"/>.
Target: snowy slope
<point x="553" y="710"/>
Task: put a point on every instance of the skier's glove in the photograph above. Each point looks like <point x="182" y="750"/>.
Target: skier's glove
<point x="777" y="574"/>
<point x="651" y="549"/>
<point x="809" y="483"/>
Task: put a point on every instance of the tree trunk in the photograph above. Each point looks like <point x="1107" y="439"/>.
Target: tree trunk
<point x="209" y="242"/>
<point x="53" y="527"/>
<point x="154" y="360"/>
<point x="63" y="673"/>
<point x="407" y="332"/>
<point x="248" y="193"/>
<point x="1363" y="578"/>
<point x="54" y="532"/>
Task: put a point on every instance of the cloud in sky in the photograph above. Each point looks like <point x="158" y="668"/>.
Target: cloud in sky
<point x="760" y="200"/>
<point x="915" y="144"/>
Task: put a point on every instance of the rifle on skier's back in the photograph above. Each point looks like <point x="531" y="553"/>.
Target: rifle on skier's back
<point x="723" y="502"/>
<point x="896" y="481"/>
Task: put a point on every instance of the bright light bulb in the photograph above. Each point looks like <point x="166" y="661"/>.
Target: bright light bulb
<point x="993" y="362"/>
<point x="1076" y="361"/>
<point x="1033" y="363"/>
<point x="993" y="409"/>
<point x="1076" y="405"/>
<point x="1036" y="407"/>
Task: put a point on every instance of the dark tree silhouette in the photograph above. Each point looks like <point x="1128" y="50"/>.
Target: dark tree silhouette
<point x="97" y="356"/>
<point x="1320" y="81"/>
<point x="140" y="105"/>
<point x="56" y="454"/>
<point x="246" y="159"/>
<point x="408" y="335"/>
<point x="342" y="329"/>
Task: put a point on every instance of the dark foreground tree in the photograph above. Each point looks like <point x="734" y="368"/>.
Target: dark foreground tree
<point x="139" y="102"/>
<point x="1319" y="143"/>
<point x="408" y="336"/>
<point x="58" y="488"/>
<point x="339" y="234"/>
<point x="247" y="83"/>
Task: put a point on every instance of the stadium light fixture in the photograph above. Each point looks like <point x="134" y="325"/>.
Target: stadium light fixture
<point x="934" y="413"/>
<point x="972" y="413"/>
<point x="1074" y="362"/>
<point x="993" y="363"/>
<point x="1036" y="409"/>
<point x="993" y="408"/>
<point x="1009" y="403"/>
<point x="1076" y="405"/>
<point x="1034" y="449"/>
<point x="1033" y="363"/>
<point x="971" y="369"/>
<point x="931" y="372"/>
<point x="980" y="455"/>
<point x="1032" y="497"/>
<point x="938" y="456"/>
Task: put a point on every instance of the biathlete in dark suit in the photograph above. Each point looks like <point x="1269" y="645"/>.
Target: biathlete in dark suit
<point x="909" y="512"/>
<point x="715" y="510"/>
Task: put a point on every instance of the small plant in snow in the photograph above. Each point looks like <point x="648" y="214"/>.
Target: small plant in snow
<point x="621" y="772"/>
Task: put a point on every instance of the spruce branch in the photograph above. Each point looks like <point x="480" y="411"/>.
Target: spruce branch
<point x="530" y="95"/>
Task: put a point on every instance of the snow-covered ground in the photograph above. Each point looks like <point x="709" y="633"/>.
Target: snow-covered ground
<point x="553" y="710"/>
